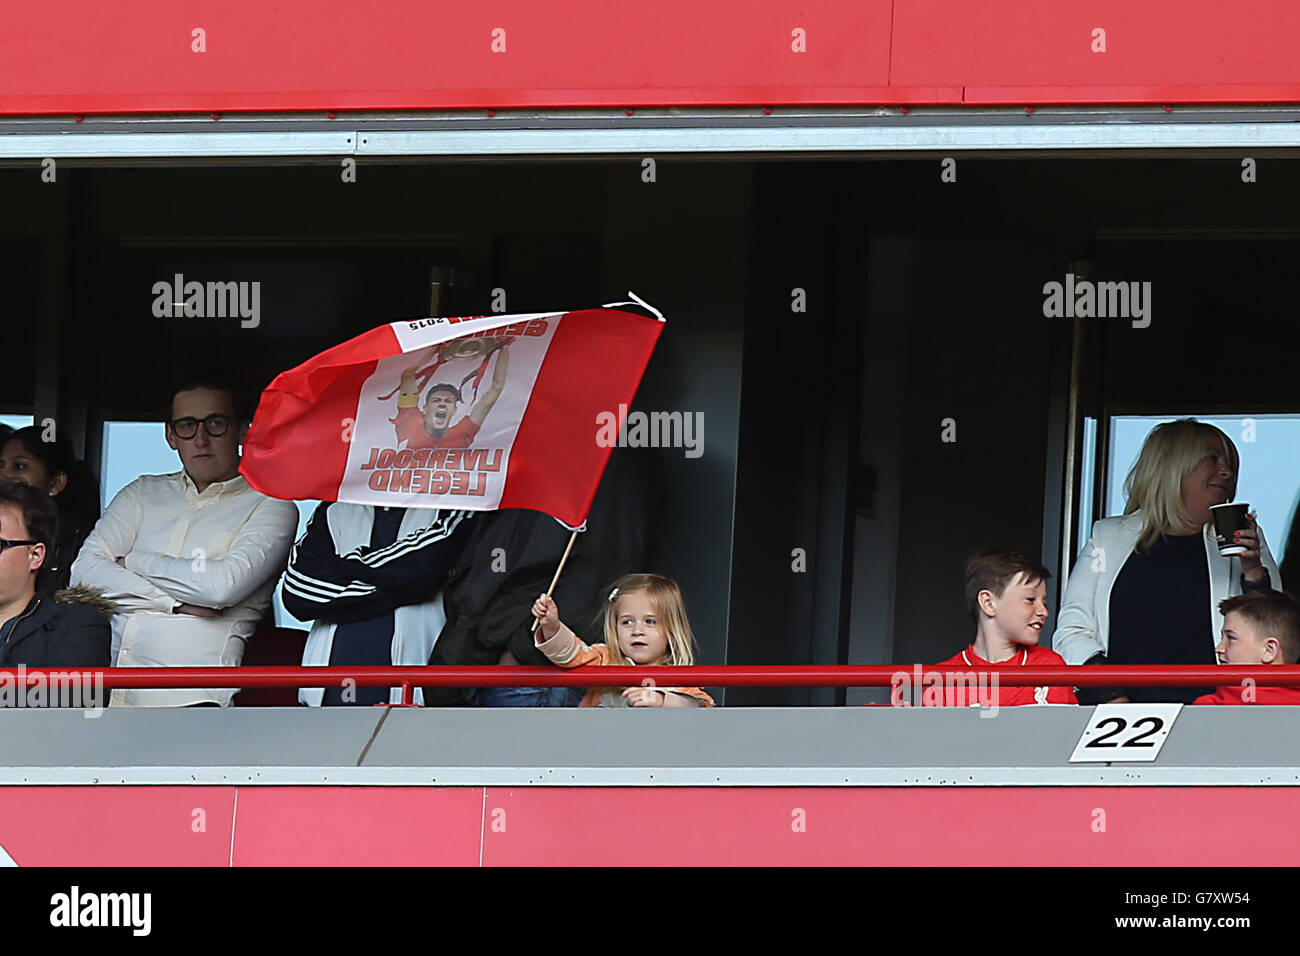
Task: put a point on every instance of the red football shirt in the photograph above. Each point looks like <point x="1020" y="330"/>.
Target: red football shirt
<point x="409" y="426"/>
<point x="1233" y="693"/>
<point x="959" y="695"/>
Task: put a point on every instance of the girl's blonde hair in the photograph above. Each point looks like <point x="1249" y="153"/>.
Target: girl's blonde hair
<point x="666" y="602"/>
<point x="1155" y="484"/>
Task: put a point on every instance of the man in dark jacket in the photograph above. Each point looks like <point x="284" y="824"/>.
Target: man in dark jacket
<point x="511" y="558"/>
<point x="65" y="630"/>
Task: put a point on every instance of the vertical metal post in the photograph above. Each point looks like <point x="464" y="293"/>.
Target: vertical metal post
<point x="1101" y="467"/>
<point x="435" y="299"/>
<point x="441" y="279"/>
<point x="1072" y="444"/>
<point x="51" y="327"/>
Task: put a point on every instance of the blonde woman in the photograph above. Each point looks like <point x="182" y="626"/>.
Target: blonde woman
<point x="1147" y="586"/>
<point x="645" y="624"/>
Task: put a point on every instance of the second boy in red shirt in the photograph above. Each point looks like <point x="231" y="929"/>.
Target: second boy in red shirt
<point x="1259" y="627"/>
<point x="1007" y="595"/>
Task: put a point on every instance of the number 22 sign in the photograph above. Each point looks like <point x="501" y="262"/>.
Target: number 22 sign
<point x="1121" y="733"/>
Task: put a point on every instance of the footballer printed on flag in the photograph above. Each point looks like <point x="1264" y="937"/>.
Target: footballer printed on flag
<point x="476" y="413"/>
<point x="440" y="418"/>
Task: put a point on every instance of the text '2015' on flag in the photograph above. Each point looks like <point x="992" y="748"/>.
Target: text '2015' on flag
<point x="480" y="413"/>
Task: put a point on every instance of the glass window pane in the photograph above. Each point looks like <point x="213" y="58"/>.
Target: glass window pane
<point x="16" y="421"/>
<point x="1269" y="478"/>
<point x="132" y="449"/>
<point x="1087" y="482"/>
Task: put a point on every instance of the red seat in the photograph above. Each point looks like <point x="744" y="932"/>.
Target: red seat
<point x="272" y="646"/>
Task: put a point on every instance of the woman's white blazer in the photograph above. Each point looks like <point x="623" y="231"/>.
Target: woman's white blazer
<point x="1083" y="626"/>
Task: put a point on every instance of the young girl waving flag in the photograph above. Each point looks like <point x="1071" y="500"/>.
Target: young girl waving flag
<point x="645" y="623"/>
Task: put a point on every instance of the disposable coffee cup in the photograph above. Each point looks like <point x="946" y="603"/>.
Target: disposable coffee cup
<point x="1227" y="519"/>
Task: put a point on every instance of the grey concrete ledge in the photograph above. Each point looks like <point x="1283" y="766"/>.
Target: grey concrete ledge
<point x="736" y="747"/>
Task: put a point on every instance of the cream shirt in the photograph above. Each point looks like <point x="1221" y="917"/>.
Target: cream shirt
<point x="222" y="549"/>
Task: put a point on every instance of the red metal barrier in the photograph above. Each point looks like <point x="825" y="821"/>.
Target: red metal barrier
<point x="731" y="675"/>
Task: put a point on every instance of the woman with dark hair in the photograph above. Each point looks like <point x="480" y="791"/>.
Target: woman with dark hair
<point x="51" y="468"/>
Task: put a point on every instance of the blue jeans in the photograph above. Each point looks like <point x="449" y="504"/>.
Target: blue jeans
<point x="527" y="697"/>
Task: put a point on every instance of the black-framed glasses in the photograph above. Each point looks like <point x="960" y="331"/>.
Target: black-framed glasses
<point x="6" y="543"/>
<point x="214" y="425"/>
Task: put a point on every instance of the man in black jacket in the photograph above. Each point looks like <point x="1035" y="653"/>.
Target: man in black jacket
<point x="65" y="630"/>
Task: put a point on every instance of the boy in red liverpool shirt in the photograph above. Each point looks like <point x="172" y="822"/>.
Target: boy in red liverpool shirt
<point x="1007" y="595"/>
<point x="1259" y="627"/>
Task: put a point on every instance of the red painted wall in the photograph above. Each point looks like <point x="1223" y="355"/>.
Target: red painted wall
<point x="83" y="57"/>
<point x="496" y="826"/>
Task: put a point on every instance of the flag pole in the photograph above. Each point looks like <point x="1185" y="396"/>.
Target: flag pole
<point x="569" y="547"/>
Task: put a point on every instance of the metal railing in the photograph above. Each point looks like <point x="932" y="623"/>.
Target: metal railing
<point x="730" y="675"/>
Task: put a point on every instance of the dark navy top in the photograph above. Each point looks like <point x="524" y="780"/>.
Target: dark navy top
<point x="1159" y="613"/>
<point x="368" y="642"/>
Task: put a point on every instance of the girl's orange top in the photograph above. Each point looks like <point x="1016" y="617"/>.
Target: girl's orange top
<point x="565" y="649"/>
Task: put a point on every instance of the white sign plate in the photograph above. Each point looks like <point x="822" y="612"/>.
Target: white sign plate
<point x="1124" y="733"/>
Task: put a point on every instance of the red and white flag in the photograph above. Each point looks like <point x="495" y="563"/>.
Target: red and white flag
<point x="485" y="412"/>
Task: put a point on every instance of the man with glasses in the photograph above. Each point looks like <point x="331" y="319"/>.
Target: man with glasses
<point x="66" y="629"/>
<point x="191" y="559"/>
